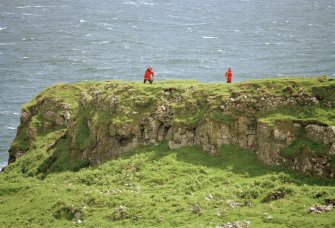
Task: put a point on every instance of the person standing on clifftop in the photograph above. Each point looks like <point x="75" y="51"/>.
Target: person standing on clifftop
<point x="149" y="75"/>
<point x="229" y="75"/>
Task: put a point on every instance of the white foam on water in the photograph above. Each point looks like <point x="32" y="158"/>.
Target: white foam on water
<point x="6" y="44"/>
<point x="104" y="68"/>
<point x="131" y="3"/>
<point x="137" y="4"/>
<point x="10" y="128"/>
<point x="2" y="165"/>
<point x="31" y="14"/>
<point x="82" y="21"/>
<point x="23" y="7"/>
<point x="101" y="42"/>
<point x="209" y="37"/>
<point x="15" y="113"/>
<point x="3" y="28"/>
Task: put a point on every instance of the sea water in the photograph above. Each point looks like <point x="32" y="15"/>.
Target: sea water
<point x="43" y="42"/>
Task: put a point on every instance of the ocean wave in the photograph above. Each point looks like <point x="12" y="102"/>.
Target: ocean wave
<point x="24" y="7"/>
<point x="209" y="37"/>
<point x="100" y="42"/>
<point x="3" y="28"/>
<point x="137" y="4"/>
<point x="96" y="69"/>
<point x="176" y="61"/>
<point x="8" y="113"/>
<point x="31" y="14"/>
<point x="6" y="44"/>
<point x="69" y="60"/>
<point x="28" y="39"/>
<point x="3" y="165"/>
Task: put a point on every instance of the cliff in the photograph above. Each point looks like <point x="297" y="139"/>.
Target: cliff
<point x="286" y="121"/>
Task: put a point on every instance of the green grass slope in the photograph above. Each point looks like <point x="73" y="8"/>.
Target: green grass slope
<point x="155" y="186"/>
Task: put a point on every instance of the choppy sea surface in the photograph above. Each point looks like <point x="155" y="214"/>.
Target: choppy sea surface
<point x="43" y="42"/>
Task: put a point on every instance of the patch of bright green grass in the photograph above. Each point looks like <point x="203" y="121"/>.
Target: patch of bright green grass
<point x="221" y="117"/>
<point x="155" y="186"/>
<point x="190" y="118"/>
<point x="305" y="115"/>
<point x="66" y="93"/>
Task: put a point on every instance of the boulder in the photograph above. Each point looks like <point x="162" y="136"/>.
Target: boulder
<point x="330" y="135"/>
<point x="196" y="209"/>
<point x="54" y="118"/>
<point x="315" y="132"/>
<point x="332" y="150"/>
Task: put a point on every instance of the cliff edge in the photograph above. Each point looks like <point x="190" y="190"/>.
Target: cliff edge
<point x="285" y="121"/>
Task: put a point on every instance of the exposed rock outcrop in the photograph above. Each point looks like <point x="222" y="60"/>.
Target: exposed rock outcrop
<point x="113" y="118"/>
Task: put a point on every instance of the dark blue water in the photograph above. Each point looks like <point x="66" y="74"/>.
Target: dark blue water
<point x="44" y="42"/>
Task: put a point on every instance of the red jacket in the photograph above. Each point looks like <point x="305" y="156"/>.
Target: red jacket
<point x="148" y="73"/>
<point x="229" y="75"/>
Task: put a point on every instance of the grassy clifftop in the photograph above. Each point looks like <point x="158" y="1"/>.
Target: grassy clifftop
<point x="138" y="98"/>
<point x="56" y="176"/>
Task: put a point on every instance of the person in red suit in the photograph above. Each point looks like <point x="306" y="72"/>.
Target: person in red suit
<point x="229" y="75"/>
<point x="149" y="75"/>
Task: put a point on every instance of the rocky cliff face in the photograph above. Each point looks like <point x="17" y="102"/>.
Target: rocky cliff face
<point x="285" y="122"/>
